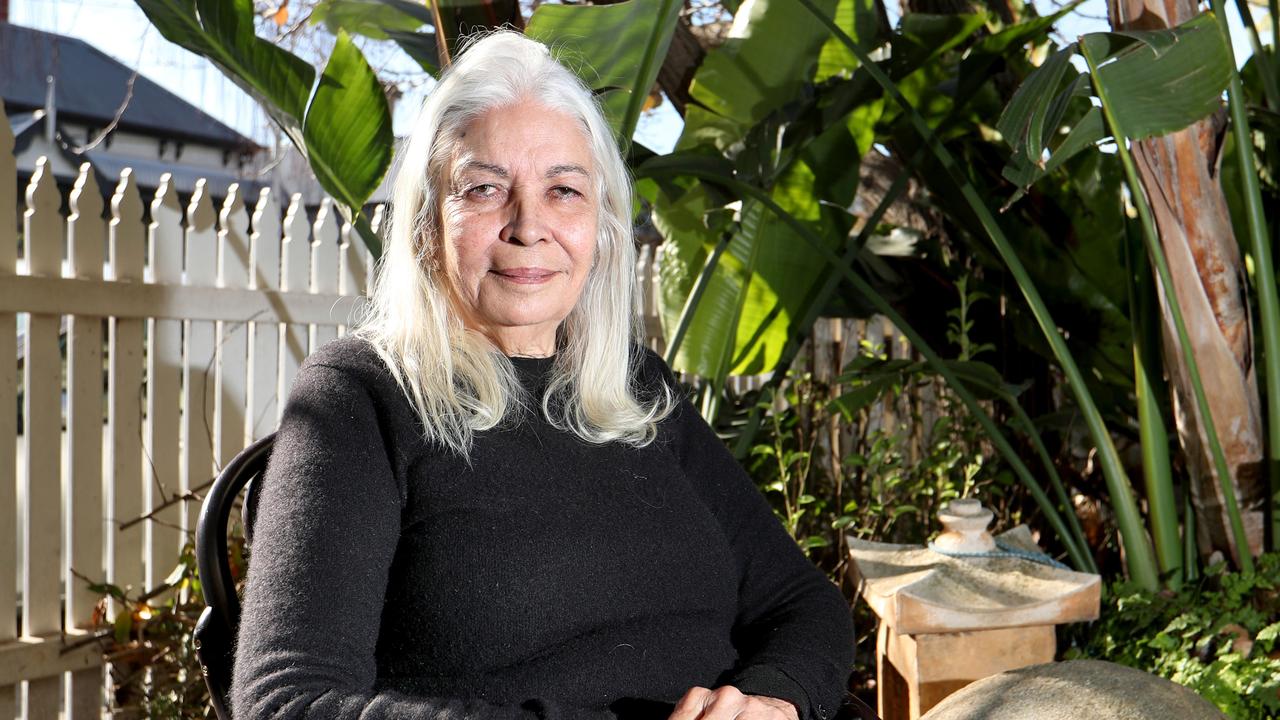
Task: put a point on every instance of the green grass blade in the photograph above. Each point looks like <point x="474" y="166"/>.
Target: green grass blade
<point x="1148" y="383"/>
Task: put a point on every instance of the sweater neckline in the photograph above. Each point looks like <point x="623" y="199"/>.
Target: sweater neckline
<point x="532" y="371"/>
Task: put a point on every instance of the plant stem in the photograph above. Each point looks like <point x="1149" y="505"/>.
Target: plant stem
<point x="1269" y="89"/>
<point x="1138" y="553"/>
<point x="1156" y="469"/>
<point x="1260" y="248"/>
<point x="1244" y="558"/>
<point x="691" y="303"/>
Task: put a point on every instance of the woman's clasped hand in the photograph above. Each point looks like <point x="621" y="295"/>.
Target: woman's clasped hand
<point x="728" y="703"/>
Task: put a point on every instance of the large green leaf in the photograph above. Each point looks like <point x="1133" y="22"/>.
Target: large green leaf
<point x="422" y="47"/>
<point x="1023" y="123"/>
<point x="747" y="318"/>
<point x="1160" y="81"/>
<point x="345" y="133"/>
<point x="222" y="31"/>
<point x="1158" y="94"/>
<point x="860" y="19"/>
<point x="348" y="126"/>
<point x="618" y="49"/>
<point x="770" y="55"/>
<point x="740" y="322"/>
<point x="371" y="18"/>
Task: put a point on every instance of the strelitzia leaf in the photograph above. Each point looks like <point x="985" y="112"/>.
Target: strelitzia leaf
<point x="348" y="127"/>
<point x="614" y="46"/>
<point x="1155" y="94"/>
<point x="1023" y="122"/>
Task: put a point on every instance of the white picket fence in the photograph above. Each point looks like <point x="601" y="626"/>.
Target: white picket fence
<point x="203" y="337"/>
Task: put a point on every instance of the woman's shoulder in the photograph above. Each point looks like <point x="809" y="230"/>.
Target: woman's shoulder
<point x="351" y="364"/>
<point x="350" y="353"/>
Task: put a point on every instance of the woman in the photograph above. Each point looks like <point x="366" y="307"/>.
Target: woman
<point x="489" y="501"/>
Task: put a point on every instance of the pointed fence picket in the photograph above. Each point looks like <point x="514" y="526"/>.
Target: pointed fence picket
<point x="162" y="472"/>
<point x="86" y="239"/>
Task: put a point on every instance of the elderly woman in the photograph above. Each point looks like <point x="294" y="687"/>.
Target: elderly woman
<point x="489" y="501"/>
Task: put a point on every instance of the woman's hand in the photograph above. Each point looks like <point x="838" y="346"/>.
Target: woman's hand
<point x="728" y="703"/>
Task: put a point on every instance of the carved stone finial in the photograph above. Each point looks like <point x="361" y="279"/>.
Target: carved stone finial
<point x="965" y="524"/>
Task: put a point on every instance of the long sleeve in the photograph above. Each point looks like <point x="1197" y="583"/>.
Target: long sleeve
<point x="793" y="630"/>
<point x="327" y="529"/>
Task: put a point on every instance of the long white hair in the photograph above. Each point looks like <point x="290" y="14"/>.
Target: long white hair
<point x="458" y="381"/>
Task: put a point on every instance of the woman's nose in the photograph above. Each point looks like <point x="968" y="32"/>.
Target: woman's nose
<point x="526" y="224"/>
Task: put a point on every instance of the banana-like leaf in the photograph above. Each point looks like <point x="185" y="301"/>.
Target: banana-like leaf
<point x="1023" y="123"/>
<point x="858" y="18"/>
<point x="222" y="31"/>
<point x="616" y="48"/>
<point x="349" y="111"/>
<point x="770" y="55"/>
<point x="1154" y="94"/>
<point x="1161" y="81"/>
<point x="422" y="47"/>
<point x="344" y="131"/>
<point x="371" y="18"/>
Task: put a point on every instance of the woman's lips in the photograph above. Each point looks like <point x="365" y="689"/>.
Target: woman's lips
<point x="525" y="275"/>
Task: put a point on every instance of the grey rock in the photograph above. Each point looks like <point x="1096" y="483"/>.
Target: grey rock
<point x="1074" y="690"/>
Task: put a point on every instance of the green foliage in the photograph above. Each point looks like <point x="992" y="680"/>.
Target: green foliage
<point x="1217" y="636"/>
<point x="343" y="129"/>
<point x="1159" y="81"/>
<point x="617" y="48"/>
<point x="904" y="460"/>
<point x="155" y="672"/>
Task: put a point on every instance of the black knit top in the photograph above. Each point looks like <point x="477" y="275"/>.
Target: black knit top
<point x="549" y="578"/>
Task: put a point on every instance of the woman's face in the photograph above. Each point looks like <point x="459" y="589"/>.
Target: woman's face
<point x="519" y="221"/>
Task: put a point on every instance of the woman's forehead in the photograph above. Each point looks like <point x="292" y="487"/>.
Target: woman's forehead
<point x="521" y="138"/>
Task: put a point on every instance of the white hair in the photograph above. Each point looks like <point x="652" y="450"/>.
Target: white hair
<point x="458" y="381"/>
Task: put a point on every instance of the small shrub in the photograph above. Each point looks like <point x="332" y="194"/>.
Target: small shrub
<point x="1219" y="636"/>
<point x="148" y="641"/>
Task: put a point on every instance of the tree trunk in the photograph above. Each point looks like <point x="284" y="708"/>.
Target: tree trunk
<point x="1179" y="173"/>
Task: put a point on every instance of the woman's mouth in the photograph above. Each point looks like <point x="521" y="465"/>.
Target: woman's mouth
<point x="524" y="275"/>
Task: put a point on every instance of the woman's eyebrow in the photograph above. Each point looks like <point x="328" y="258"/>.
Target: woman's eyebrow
<point x="472" y="165"/>
<point x="565" y="169"/>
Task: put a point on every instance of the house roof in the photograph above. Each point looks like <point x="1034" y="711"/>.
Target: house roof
<point x="90" y="86"/>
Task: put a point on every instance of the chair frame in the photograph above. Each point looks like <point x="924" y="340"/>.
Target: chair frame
<point x="216" y="629"/>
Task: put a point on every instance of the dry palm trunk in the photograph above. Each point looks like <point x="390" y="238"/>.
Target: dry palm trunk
<point x="1180" y="175"/>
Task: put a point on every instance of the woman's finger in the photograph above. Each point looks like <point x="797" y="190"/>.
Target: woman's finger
<point x="726" y="703"/>
<point x="690" y="706"/>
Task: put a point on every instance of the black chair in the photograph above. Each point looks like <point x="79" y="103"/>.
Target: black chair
<point x="216" y="629"/>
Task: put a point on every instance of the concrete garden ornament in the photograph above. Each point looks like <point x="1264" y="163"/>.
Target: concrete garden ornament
<point x="967" y="606"/>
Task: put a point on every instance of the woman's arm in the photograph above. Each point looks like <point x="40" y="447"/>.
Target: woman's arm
<point x="327" y="527"/>
<point x="793" y="631"/>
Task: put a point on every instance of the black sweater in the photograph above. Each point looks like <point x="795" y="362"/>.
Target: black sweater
<point x="551" y="578"/>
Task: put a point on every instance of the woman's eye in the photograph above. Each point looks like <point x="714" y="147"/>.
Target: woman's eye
<point x="564" y="191"/>
<point x="485" y="190"/>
